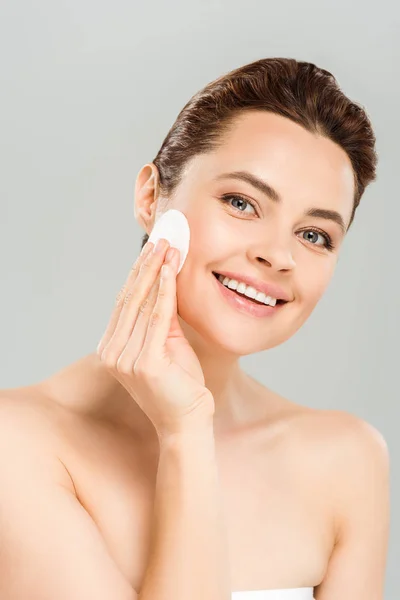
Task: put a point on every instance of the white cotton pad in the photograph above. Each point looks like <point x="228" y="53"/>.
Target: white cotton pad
<point x="174" y="227"/>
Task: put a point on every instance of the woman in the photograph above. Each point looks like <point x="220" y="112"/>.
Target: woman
<point x="155" y="467"/>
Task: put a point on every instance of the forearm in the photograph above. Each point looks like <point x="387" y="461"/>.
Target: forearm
<point x="188" y="556"/>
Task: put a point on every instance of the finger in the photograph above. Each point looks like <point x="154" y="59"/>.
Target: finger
<point x="119" y="301"/>
<point x="135" y="342"/>
<point x="135" y="296"/>
<point x="160" y="320"/>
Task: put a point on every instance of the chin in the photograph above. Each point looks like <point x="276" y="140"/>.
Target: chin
<point x="230" y="334"/>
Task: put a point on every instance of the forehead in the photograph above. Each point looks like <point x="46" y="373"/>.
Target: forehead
<point x="301" y="165"/>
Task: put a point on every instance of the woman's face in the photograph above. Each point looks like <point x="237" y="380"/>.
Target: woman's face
<point x="271" y="241"/>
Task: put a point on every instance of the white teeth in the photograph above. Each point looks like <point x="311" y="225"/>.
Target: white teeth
<point x="232" y="284"/>
<point x="260" y="297"/>
<point x="248" y="291"/>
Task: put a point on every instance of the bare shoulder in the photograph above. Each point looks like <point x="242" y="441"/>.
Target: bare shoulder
<point x="342" y="431"/>
<point x="27" y="405"/>
<point x="30" y="424"/>
<point x="358" y="449"/>
<point x="339" y="437"/>
<point x="350" y="457"/>
<point x="50" y="537"/>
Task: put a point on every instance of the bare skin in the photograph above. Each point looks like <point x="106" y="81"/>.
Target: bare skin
<point x="273" y="475"/>
<point x="305" y="491"/>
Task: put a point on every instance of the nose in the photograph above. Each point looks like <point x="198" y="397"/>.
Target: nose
<point x="275" y="253"/>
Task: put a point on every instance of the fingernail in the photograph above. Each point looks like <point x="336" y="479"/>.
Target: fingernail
<point x="169" y="255"/>
<point x="160" y="245"/>
<point x="146" y="248"/>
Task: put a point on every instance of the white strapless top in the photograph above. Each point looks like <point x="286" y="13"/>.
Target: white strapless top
<point x="304" y="593"/>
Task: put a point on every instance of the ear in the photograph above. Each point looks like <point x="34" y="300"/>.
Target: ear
<point x="146" y="191"/>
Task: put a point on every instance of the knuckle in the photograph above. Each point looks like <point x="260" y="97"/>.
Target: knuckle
<point x="150" y="262"/>
<point x="128" y="296"/>
<point x="139" y="368"/>
<point x="154" y="319"/>
<point x="145" y="368"/>
<point x="124" y="365"/>
<point x="145" y="266"/>
<point x="136" y="266"/>
<point x="120" y="295"/>
<point x="109" y="359"/>
<point x="142" y="307"/>
<point x="162" y="293"/>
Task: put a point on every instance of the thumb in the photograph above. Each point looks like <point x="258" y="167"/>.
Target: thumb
<point x="175" y="330"/>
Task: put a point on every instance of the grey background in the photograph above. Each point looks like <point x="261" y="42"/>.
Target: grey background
<point x="89" y="89"/>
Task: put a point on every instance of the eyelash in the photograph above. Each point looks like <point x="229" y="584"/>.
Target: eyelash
<point x="227" y="197"/>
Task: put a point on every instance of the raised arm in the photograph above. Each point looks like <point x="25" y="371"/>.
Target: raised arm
<point x="189" y="551"/>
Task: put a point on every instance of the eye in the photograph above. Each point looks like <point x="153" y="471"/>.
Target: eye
<point x="240" y="200"/>
<point x="328" y="244"/>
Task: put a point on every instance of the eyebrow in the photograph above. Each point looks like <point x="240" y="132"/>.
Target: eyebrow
<point x="266" y="189"/>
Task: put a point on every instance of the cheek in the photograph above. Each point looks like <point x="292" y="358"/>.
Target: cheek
<point x="210" y="238"/>
<point x="213" y="233"/>
<point x="315" y="281"/>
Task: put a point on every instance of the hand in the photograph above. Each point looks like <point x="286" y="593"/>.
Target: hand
<point x="145" y="349"/>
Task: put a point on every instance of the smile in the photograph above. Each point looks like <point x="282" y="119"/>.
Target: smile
<point x="244" y="304"/>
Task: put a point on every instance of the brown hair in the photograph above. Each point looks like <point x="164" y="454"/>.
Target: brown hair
<point x="300" y="91"/>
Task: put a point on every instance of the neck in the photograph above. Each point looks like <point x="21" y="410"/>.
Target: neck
<point x="239" y="399"/>
<point x="229" y="385"/>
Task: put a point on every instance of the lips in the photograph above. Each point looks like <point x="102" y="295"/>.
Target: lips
<point x="245" y="305"/>
<point x="269" y="289"/>
<point x="279" y="301"/>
